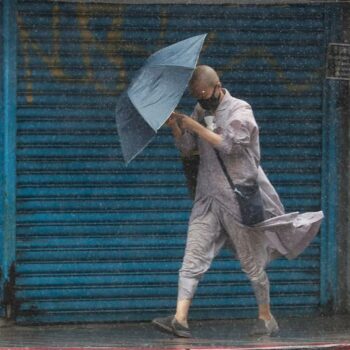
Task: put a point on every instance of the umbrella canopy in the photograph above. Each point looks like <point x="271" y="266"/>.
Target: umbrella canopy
<point x="154" y="93"/>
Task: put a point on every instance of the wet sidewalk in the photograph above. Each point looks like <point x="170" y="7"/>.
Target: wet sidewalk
<point x="296" y="333"/>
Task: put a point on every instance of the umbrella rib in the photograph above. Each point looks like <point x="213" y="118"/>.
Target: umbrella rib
<point x="170" y="65"/>
<point x="157" y="71"/>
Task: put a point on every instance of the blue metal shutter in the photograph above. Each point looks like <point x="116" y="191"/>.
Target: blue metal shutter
<point x="98" y="241"/>
<point x="2" y="281"/>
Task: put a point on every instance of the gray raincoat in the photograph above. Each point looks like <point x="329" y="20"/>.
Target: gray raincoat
<point x="288" y="234"/>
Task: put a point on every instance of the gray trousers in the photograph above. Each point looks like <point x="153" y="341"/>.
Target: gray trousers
<point x="207" y="234"/>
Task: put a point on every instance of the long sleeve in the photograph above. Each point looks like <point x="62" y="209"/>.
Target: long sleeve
<point x="237" y="133"/>
<point x="187" y="143"/>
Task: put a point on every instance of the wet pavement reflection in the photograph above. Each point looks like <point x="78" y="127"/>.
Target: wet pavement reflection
<point x="296" y="333"/>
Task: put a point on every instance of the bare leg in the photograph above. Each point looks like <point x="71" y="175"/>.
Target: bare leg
<point x="264" y="312"/>
<point x="182" y="309"/>
<point x="267" y="324"/>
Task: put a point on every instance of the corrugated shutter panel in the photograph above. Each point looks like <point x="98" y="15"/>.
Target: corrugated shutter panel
<point x="2" y="311"/>
<point x="98" y="241"/>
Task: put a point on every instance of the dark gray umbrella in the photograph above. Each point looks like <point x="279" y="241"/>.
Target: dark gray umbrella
<point x="154" y="93"/>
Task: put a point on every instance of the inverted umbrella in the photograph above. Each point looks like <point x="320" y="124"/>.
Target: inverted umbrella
<point x="154" y="93"/>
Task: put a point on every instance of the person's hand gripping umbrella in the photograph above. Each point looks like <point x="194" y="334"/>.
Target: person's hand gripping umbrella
<point x="154" y="93"/>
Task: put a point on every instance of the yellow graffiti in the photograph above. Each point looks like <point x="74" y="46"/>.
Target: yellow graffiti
<point x="114" y="48"/>
<point x="163" y="23"/>
<point x="210" y="39"/>
<point x="48" y="60"/>
<point x="272" y="62"/>
<point x="85" y="34"/>
<point x="51" y="61"/>
<point x="28" y="74"/>
<point x="113" y="36"/>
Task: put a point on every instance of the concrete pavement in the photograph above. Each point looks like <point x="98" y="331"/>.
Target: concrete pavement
<point x="296" y="333"/>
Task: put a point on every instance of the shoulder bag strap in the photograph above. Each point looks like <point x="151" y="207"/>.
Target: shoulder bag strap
<point x="224" y="169"/>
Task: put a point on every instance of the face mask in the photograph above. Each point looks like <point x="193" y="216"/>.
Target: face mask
<point x="210" y="103"/>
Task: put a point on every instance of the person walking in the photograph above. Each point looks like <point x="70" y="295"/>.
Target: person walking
<point x="223" y="130"/>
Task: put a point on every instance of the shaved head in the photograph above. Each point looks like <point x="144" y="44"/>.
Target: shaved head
<point x="203" y="77"/>
<point x="204" y="74"/>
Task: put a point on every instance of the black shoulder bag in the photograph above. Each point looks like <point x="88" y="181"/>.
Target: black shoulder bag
<point x="248" y="198"/>
<point x="190" y="167"/>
